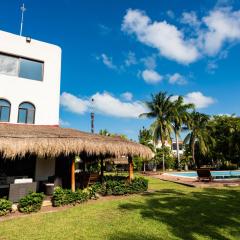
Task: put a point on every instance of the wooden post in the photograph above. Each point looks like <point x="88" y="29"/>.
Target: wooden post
<point x="130" y="169"/>
<point x="73" y="175"/>
<point x="101" y="169"/>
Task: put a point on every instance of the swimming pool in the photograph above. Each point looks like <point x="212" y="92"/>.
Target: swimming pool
<point x="215" y="174"/>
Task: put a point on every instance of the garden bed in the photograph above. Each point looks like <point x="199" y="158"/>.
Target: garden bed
<point x="113" y="187"/>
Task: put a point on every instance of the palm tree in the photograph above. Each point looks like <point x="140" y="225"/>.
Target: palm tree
<point x="145" y="138"/>
<point x="199" y="133"/>
<point x="161" y="109"/>
<point x="180" y="120"/>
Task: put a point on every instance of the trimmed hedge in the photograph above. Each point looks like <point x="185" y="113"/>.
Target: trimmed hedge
<point x="63" y="197"/>
<point x="31" y="202"/>
<point x="112" y="185"/>
<point x="5" y="206"/>
<point x="120" y="186"/>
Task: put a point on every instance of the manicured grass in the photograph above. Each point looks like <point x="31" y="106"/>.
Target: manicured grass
<point x="172" y="212"/>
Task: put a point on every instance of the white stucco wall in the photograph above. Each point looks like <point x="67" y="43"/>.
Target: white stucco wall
<point x="45" y="95"/>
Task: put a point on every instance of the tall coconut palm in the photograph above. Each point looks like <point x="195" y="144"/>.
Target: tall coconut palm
<point x="161" y="108"/>
<point x="180" y="120"/>
<point x="199" y="133"/>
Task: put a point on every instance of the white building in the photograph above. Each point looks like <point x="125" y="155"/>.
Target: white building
<point x="173" y="146"/>
<point x="29" y="80"/>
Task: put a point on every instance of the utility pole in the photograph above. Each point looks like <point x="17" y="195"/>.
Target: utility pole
<point x="23" y="9"/>
<point x="92" y="117"/>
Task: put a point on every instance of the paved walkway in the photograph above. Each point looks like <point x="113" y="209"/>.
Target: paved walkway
<point x="192" y="182"/>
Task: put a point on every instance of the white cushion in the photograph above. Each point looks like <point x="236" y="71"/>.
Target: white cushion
<point x="23" y="180"/>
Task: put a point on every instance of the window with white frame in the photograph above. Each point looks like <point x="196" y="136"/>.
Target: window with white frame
<point x="21" y="67"/>
<point x="5" y="108"/>
<point x="26" y="113"/>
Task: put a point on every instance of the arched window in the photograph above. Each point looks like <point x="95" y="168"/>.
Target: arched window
<point x="5" y="107"/>
<point x="26" y="113"/>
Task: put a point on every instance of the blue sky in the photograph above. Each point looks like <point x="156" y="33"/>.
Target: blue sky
<point x="119" y="52"/>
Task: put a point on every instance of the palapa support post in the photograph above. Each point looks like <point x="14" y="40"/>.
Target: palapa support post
<point x="101" y="169"/>
<point x="130" y="168"/>
<point x="73" y="188"/>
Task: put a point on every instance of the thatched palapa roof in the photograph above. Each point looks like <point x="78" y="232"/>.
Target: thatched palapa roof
<point x="18" y="140"/>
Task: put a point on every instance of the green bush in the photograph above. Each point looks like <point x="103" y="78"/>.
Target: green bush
<point x="5" y="206"/>
<point x="31" y="202"/>
<point x="93" y="190"/>
<point x="113" y="185"/>
<point x="63" y="197"/>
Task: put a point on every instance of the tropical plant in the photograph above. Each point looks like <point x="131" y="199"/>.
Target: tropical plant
<point x="170" y="160"/>
<point x="161" y="108"/>
<point x="200" y="134"/>
<point x="5" y="206"/>
<point x="226" y="131"/>
<point x="32" y="202"/>
<point x="180" y="120"/>
<point x="145" y="137"/>
<point x="105" y="132"/>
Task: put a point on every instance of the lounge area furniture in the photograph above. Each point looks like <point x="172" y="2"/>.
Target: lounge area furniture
<point x="86" y="179"/>
<point x="19" y="190"/>
<point x="204" y="174"/>
<point x="93" y="178"/>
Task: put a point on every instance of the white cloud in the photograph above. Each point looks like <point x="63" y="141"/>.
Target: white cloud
<point x="131" y="59"/>
<point x="149" y="62"/>
<point x="206" y="36"/>
<point x="190" y="18"/>
<point x="104" y="30"/>
<point x="151" y="76"/>
<point x="170" y="14"/>
<point x="198" y="99"/>
<point x="64" y="123"/>
<point x="211" y="67"/>
<point x="223" y="26"/>
<point x="105" y="104"/>
<point x="177" y="78"/>
<point x="107" y="61"/>
<point x="163" y="36"/>
<point x="127" y="96"/>
<point x="73" y="103"/>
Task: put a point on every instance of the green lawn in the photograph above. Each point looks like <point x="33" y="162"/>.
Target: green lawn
<point x="172" y="212"/>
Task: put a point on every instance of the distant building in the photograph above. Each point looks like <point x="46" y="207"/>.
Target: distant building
<point x="173" y="146"/>
<point x="30" y="80"/>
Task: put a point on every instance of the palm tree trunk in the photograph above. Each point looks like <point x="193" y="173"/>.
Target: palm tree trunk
<point x="193" y="154"/>
<point x="178" y="154"/>
<point x="163" y="157"/>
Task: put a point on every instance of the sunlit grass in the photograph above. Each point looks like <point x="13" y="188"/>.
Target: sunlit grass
<point x="171" y="211"/>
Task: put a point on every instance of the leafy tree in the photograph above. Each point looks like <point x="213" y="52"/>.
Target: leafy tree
<point x="170" y="160"/>
<point x="226" y="131"/>
<point x="180" y="120"/>
<point x="105" y="132"/>
<point x="145" y="137"/>
<point x="161" y="108"/>
<point x="200" y="133"/>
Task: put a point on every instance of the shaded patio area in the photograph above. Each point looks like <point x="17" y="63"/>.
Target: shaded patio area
<point x="36" y="155"/>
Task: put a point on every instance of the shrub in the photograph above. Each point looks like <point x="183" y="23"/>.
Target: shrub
<point x="121" y="187"/>
<point x="112" y="185"/>
<point x="63" y="197"/>
<point x="93" y="190"/>
<point x="31" y="202"/>
<point x="5" y="206"/>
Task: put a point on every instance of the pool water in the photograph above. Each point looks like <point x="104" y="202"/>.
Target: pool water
<point x="215" y="174"/>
